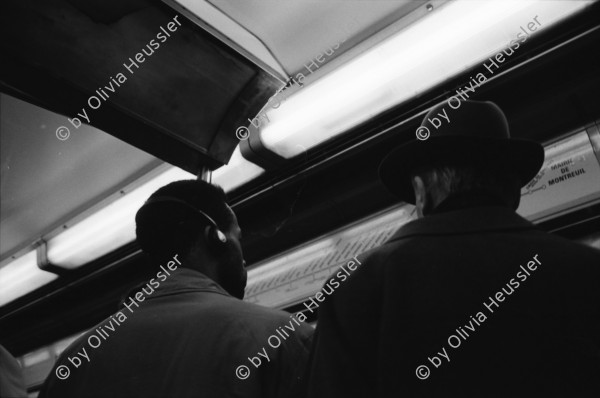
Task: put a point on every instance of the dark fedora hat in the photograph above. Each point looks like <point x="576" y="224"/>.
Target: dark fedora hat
<point x="474" y="133"/>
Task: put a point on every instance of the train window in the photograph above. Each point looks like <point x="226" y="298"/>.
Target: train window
<point x="292" y="276"/>
<point x="37" y="364"/>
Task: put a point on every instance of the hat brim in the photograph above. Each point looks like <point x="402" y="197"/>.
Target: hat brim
<point x="522" y="157"/>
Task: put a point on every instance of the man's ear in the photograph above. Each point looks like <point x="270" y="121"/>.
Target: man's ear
<point x="420" y="195"/>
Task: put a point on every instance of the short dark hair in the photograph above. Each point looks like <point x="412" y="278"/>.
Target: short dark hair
<point x="165" y="229"/>
<point x="450" y="178"/>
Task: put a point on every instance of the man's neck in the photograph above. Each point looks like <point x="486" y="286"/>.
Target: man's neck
<point x="465" y="200"/>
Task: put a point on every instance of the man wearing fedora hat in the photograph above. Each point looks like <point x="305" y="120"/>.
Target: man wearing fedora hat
<point x="469" y="300"/>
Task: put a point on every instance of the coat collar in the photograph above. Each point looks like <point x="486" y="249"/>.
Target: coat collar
<point x="465" y="221"/>
<point x="185" y="280"/>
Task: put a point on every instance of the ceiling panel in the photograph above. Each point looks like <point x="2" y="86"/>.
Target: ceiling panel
<point x="296" y="31"/>
<point x="121" y="61"/>
<point x="45" y="180"/>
